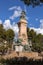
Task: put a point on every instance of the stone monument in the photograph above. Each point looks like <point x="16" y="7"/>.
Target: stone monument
<point x="22" y="35"/>
<point x="22" y="24"/>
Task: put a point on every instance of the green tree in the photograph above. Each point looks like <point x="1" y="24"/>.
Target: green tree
<point x="38" y="45"/>
<point x="31" y="34"/>
<point x="28" y="32"/>
<point x="2" y="33"/>
<point x="6" y="36"/>
<point x="39" y="38"/>
<point x="36" y="40"/>
<point x="10" y="35"/>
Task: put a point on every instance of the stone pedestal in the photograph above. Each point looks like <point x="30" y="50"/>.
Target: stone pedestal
<point x="18" y="48"/>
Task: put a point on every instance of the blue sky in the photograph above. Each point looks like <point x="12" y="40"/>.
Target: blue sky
<point x="8" y="8"/>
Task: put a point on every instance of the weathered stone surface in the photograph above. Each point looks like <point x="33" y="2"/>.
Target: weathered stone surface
<point x="22" y="24"/>
<point x="30" y="55"/>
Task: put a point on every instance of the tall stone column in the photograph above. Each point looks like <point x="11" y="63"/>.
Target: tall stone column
<point x="22" y="24"/>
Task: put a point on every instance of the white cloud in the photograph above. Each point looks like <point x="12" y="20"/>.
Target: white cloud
<point x="37" y="30"/>
<point x="17" y="12"/>
<point x="7" y="25"/>
<point x="15" y="8"/>
<point x="40" y="29"/>
<point x="19" y="8"/>
<point x="0" y="21"/>
<point x="12" y="8"/>
<point x="15" y="28"/>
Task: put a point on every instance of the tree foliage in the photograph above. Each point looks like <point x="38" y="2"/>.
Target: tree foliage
<point x="32" y="2"/>
<point x="2" y="33"/>
<point x="5" y="38"/>
<point x="36" y="39"/>
<point x="9" y="35"/>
